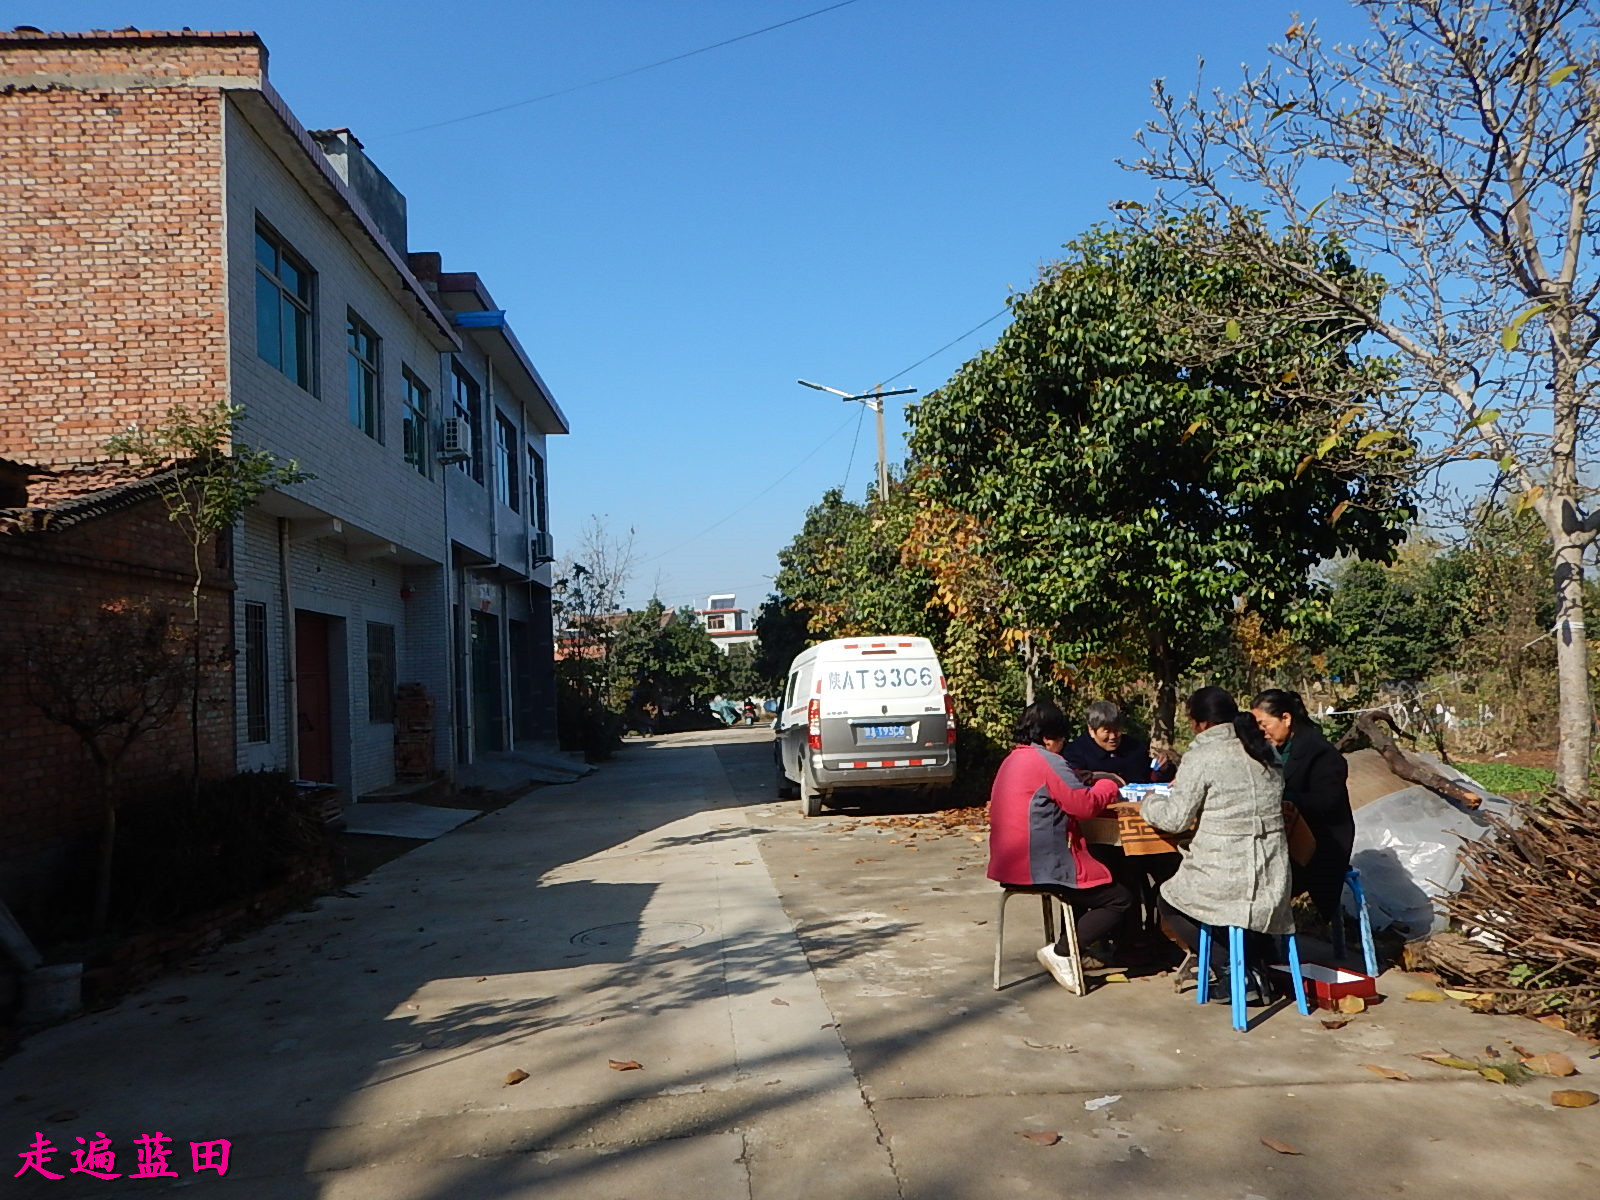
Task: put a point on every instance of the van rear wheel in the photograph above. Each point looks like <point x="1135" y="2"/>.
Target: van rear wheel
<point x="810" y="797"/>
<point x="786" y="788"/>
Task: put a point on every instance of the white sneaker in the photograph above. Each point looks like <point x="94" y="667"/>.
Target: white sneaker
<point x="1063" y="970"/>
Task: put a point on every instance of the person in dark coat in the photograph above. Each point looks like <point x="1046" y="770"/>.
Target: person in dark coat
<point x="1106" y="748"/>
<point x="1314" y="775"/>
<point x="1035" y="840"/>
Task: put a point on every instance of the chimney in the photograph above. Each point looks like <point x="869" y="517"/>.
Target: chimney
<point x="383" y="201"/>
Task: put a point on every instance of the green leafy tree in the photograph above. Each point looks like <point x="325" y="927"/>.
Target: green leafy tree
<point x="742" y="673"/>
<point x="663" y="661"/>
<point x="213" y="478"/>
<point x="1129" y="497"/>
<point x="1457" y="146"/>
<point x="843" y="570"/>
<point x="781" y="634"/>
<point x="1388" y="623"/>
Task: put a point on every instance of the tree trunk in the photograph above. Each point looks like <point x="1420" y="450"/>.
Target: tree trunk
<point x="1163" y="720"/>
<point x="197" y="634"/>
<point x="1573" y="726"/>
<point x="1030" y="670"/>
<point x="108" y="846"/>
<point x="1368" y="725"/>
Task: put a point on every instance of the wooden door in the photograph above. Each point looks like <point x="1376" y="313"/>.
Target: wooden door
<point x="313" y="696"/>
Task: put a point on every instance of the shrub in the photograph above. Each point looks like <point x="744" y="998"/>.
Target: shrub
<point x="181" y="851"/>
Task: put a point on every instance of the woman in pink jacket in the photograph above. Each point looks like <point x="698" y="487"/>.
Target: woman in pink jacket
<point x="1034" y="838"/>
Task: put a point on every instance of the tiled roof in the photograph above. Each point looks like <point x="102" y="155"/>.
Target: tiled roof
<point x="72" y="495"/>
<point x="27" y="33"/>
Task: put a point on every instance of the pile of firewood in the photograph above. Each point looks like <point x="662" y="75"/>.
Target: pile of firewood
<point x="1530" y="907"/>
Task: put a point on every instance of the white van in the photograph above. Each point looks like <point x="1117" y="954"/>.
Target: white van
<point x="864" y="712"/>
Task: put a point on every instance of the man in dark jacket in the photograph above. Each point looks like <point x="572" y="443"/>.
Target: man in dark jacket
<point x="1106" y="748"/>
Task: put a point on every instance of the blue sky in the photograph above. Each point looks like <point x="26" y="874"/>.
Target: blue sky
<point x="833" y="200"/>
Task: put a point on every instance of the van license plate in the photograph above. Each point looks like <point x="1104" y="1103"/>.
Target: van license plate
<point x="876" y="732"/>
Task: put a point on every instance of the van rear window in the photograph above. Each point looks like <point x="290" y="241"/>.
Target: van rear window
<point x="907" y="677"/>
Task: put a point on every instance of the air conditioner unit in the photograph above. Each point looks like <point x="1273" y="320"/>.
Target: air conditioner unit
<point x="541" y="548"/>
<point x="455" y="440"/>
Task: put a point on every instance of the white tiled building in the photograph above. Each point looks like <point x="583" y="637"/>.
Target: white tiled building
<point x="418" y="553"/>
<point x="725" y="622"/>
<point x="410" y="557"/>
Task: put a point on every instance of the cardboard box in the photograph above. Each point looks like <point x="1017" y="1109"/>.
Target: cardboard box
<point x="1138" y="836"/>
<point x="1326" y="985"/>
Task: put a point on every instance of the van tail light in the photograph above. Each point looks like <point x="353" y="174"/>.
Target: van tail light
<point x="949" y="720"/>
<point x="814" y="724"/>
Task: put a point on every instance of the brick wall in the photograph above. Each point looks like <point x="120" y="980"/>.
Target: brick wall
<point x="110" y="228"/>
<point x="109" y="58"/>
<point x="50" y="805"/>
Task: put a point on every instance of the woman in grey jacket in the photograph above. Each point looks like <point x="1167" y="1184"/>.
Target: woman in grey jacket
<point x="1235" y="870"/>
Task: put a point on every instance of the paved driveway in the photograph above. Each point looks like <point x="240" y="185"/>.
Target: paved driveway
<point x="809" y="1003"/>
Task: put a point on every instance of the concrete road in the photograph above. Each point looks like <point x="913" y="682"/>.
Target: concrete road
<point x="810" y="1008"/>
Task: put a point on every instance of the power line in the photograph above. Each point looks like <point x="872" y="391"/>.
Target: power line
<point x="947" y="345"/>
<point x="578" y="87"/>
<point x="861" y="416"/>
<point x="718" y="524"/>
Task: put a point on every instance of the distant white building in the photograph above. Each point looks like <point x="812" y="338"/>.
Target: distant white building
<point x="725" y="621"/>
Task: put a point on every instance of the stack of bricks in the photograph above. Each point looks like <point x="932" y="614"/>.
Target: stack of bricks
<point x="413" y="732"/>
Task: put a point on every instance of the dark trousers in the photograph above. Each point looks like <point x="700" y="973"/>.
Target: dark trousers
<point x="1096" y="910"/>
<point x="1259" y="948"/>
<point x="1142" y="875"/>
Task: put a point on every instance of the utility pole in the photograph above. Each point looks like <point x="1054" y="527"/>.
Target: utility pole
<point x="874" y="401"/>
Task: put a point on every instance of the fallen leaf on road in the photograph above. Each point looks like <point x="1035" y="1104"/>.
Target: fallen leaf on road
<point x="785" y="1003"/>
<point x="1385" y="1072"/>
<point x="1352" y="1004"/>
<point x="479" y="979"/>
<point x="515" y="1077"/>
<point x="1280" y="1147"/>
<point x="1520" y="1051"/>
<point x="594" y="1021"/>
<point x="1493" y="1074"/>
<point x="1445" y="1059"/>
<point x="1115" y="977"/>
<point x="1425" y="996"/>
<point x="829" y="1025"/>
<point x="1457" y="994"/>
<point x="1039" y="1139"/>
<point x="1033" y="1045"/>
<point x="1491" y="1052"/>
<point x="1552" y="1020"/>
<point x="1336" y="1024"/>
<point x="629" y="1065"/>
<point x="1573" y="1099"/>
<point x="744" y="862"/>
<point x="1550" y="1064"/>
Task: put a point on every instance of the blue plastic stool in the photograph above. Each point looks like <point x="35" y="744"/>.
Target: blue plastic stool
<point x="1352" y="880"/>
<point x="1236" y="979"/>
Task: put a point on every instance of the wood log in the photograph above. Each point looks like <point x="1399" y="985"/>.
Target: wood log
<point x="1370" y="727"/>
<point x="1457" y="956"/>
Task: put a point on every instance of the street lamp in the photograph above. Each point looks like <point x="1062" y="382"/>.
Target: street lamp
<point x="874" y="401"/>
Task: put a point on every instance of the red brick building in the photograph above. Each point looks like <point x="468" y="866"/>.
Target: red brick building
<point x="81" y="540"/>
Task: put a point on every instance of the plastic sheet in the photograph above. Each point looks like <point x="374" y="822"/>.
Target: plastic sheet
<point x="1406" y="848"/>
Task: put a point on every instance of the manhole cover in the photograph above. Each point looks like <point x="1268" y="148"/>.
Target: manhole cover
<point x="626" y="933"/>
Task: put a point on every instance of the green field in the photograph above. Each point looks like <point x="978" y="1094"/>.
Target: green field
<point x="1504" y="779"/>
